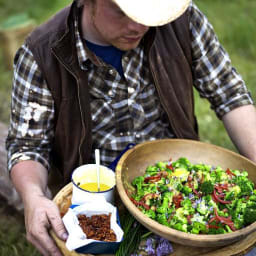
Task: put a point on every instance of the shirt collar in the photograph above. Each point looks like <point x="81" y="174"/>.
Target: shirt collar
<point x="85" y="56"/>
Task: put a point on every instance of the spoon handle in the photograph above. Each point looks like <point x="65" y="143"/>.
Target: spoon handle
<point x="97" y="160"/>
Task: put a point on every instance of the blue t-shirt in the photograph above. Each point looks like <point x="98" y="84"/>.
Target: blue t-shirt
<point x="109" y="54"/>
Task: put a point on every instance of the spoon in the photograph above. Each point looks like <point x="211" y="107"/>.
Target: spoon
<point x="97" y="160"/>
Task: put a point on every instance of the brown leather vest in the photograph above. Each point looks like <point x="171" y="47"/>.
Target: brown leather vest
<point x="53" y="45"/>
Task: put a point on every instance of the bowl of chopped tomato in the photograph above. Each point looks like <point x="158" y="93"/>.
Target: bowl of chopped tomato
<point x="189" y="192"/>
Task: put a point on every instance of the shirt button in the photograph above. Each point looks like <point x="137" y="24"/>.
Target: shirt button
<point x="131" y="90"/>
<point x="111" y="71"/>
<point x="126" y="59"/>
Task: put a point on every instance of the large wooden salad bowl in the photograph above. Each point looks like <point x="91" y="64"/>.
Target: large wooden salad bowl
<point x="134" y="162"/>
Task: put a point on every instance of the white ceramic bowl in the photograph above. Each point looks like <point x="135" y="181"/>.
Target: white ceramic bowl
<point x="88" y="174"/>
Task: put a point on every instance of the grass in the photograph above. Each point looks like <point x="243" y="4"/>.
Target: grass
<point x="234" y="22"/>
<point x="12" y="233"/>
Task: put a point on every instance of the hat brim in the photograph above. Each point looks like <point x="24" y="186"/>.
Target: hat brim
<point x="153" y="12"/>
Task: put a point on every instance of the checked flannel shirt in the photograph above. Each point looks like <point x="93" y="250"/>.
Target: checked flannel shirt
<point x="132" y="102"/>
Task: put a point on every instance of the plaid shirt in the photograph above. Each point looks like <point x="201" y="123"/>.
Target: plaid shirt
<point x="123" y="110"/>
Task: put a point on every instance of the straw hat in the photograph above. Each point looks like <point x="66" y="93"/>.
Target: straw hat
<point x="153" y="12"/>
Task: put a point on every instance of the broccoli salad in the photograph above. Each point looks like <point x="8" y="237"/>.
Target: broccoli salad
<point x="196" y="198"/>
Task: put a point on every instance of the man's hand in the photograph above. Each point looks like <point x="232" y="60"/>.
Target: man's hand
<point x="41" y="214"/>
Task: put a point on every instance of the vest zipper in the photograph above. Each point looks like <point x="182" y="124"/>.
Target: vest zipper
<point x="79" y="102"/>
<point x="163" y="103"/>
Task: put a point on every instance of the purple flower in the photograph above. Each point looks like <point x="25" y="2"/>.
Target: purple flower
<point x="164" y="247"/>
<point x="150" y="247"/>
<point x="191" y="196"/>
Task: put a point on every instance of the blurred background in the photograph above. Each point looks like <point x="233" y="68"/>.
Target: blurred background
<point x="234" y="22"/>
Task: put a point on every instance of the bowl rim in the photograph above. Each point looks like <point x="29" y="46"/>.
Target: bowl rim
<point x="150" y="223"/>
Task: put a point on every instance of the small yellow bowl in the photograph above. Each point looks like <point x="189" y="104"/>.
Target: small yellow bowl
<point x="87" y="174"/>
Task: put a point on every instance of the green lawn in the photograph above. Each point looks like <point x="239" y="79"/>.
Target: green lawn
<point x="234" y="21"/>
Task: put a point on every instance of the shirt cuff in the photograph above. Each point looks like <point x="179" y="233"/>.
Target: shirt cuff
<point x="24" y="156"/>
<point x="234" y="102"/>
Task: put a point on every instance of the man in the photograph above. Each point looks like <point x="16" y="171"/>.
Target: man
<point x="103" y="74"/>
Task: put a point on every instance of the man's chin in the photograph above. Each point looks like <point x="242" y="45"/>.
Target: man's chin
<point x="126" y="46"/>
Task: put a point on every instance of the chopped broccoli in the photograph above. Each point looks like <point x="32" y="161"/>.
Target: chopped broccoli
<point x="161" y="165"/>
<point x="230" y="196"/>
<point x="251" y="204"/>
<point x="162" y="219"/>
<point x="207" y="198"/>
<point x="183" y="198"/>
<point x="175" y="184"/>
<point x="180" y="227"/>
<point x="244" y="173"/>
<point x="186" y="203"/>
<point x="198" y="227"/>
<point x="245" y="185"/>
<point x="149" y="188"/>
<point x="152" y="170"/>
<point x="180" y="215"/>
<point x="198" y="218"/>
<point x="202" y="208"/>
<point x="207" y="187"/>
<point x="221" y="176"/>
<point x="252" y="198"/>
<point x="238" y="221"/>
<point x="215" y="231"/>
<point x="162" y="188"/>
<point x="186" y="190"/>
<point x="249" y="216"/>
<point x="182" y="163"/>
<point x="138" y="181"/>
<point x="236" y="190"/>
<point x="228" y="229"/>
<point x="167" y="197"/>
<point x="202" y="167"/>
<point x="149" y="213"/>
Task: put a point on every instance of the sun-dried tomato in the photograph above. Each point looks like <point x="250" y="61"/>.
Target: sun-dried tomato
<point x="140" y="203"/>
<point x="177" y="200"/>
<point x="228" y="171"/>
<point x="154" y="178"/>
<point x="216" y="197"/>
<point x="97" y="227"/>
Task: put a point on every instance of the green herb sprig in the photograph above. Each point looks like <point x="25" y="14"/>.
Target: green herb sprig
<point x="134" y="232"/>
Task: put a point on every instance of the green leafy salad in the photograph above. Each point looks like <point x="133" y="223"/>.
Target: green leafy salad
<point x="196" y="198"/>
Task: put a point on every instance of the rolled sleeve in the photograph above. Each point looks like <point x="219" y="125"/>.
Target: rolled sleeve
<point x="214" y="76"/>
<point x="32" y="110"/>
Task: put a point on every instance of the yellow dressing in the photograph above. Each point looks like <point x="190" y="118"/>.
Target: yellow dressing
<point x="181" y="173"/>
<point x="93" y="187"/>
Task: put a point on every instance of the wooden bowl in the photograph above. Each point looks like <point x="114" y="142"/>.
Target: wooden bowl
<point x="63" y="201"/>
<point x="134" y="162"/>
